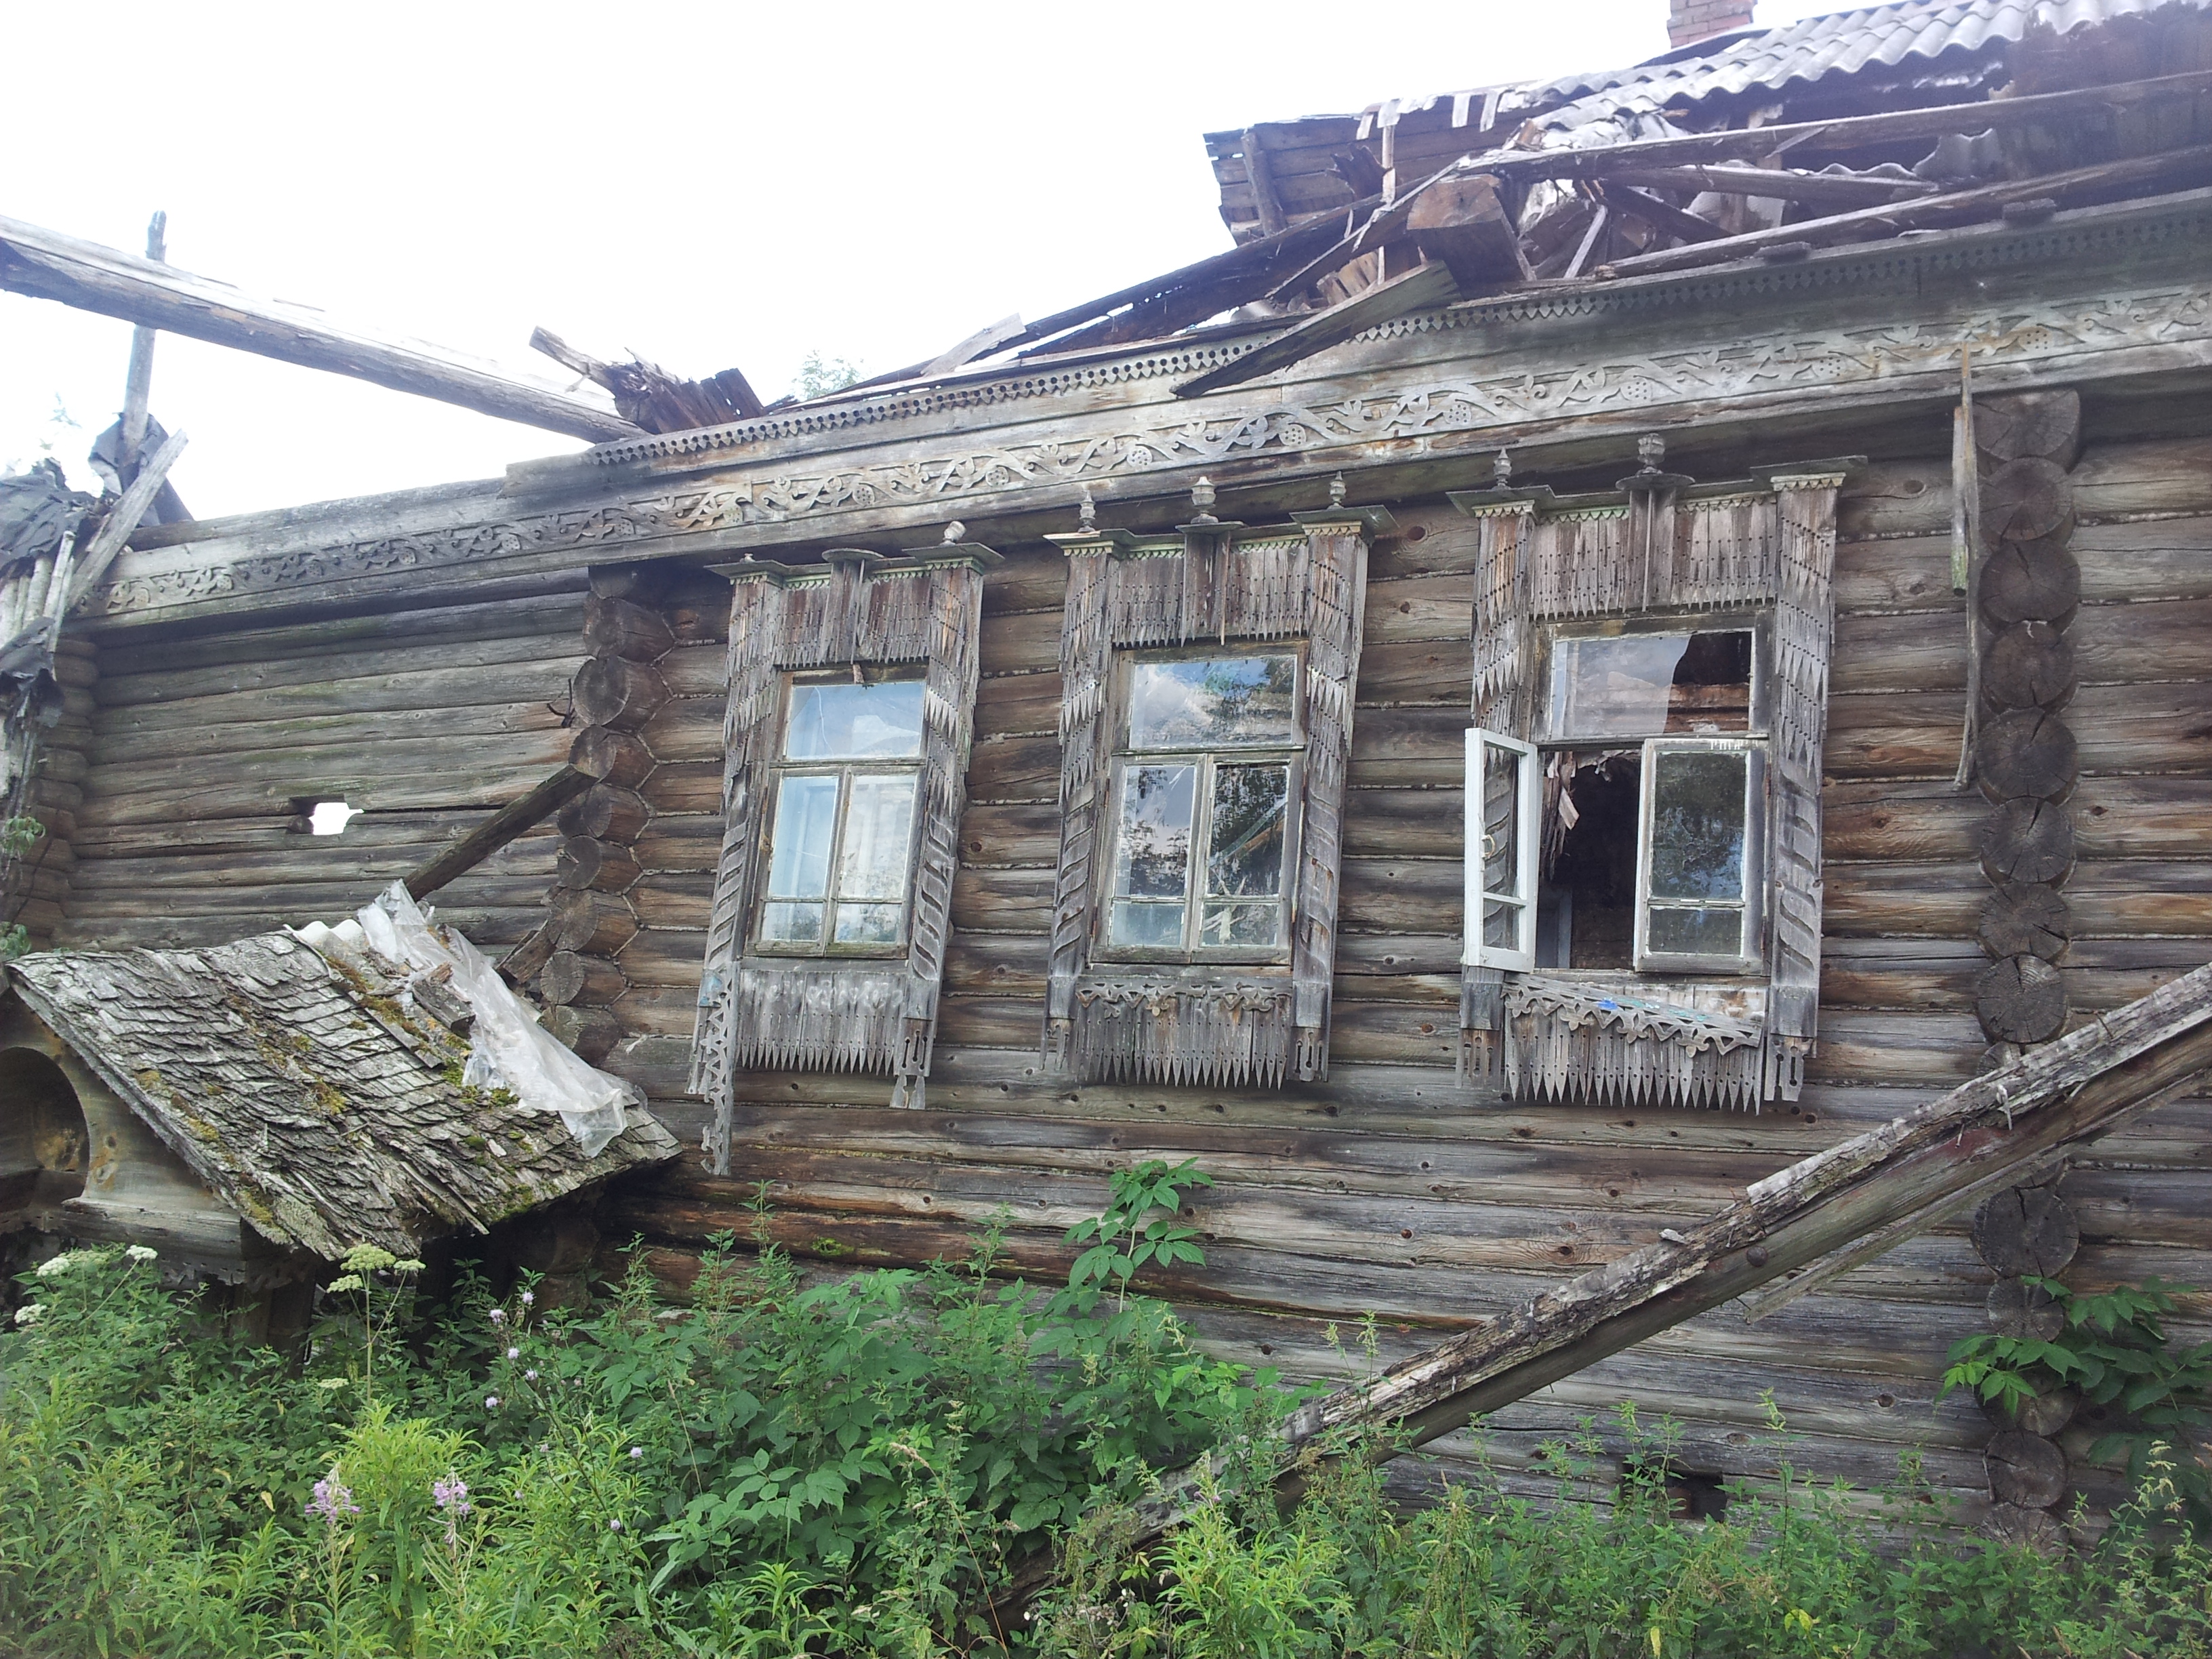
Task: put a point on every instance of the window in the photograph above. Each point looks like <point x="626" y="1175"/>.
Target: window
<point x="1205" y="792"/>
<point x="841" y="838"/>
<point x="1644" y="806"/>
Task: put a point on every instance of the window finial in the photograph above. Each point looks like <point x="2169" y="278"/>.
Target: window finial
<point x="1086" y="512"/>
<point x="1501" y="470"/>
<point x="955" y="533"/>
<point x="1650" y="450"/>
<point x="1336" y="491"/>
<point x="1201" y="497"/>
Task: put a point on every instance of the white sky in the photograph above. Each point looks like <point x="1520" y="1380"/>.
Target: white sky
<point x="706" y="185"/>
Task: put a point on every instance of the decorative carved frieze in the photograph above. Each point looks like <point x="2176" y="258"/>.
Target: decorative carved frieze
<point x="1152" y="439"/>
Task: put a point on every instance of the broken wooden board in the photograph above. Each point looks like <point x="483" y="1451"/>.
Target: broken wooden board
<point x="50" y="265"/>
<point x="1416" y="290"/>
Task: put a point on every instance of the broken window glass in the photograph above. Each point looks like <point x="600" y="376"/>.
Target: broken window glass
<point x="1639" y="685"/>
<point x="1700" y="809"/>
<point x="1202" y="854"/>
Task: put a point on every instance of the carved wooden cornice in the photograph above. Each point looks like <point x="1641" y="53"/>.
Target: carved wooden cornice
<point x="1437" y="406"/>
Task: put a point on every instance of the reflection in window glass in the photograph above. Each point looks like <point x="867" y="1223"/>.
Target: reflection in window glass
<point x="1151" y="863"/>
<point x="1212" y="703"/>
<point x="799" y="857"/>
<point x="872" y="864"/>
<point x="837" y="721"/>
<point x="1501" y="848"/>
<point x="1696" y="851"/>
<point x="1630" y="685"/>
<point x="1244" y="862"/>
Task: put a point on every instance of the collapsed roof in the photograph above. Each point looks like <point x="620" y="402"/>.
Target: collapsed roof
<point x="320" y="1098"/>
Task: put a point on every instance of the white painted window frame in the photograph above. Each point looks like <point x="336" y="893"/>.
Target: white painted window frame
<point x="1750" y="957"/>
<point x="1528" y="813"/>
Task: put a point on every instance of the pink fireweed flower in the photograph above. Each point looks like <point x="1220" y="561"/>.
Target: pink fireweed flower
<point x="491" y="1402"/>
<point x="515" y="1353"/>
<point x="530" y="1377"/>
<point x="529" y="1296"/>
<point x="452" y="1497"/>
<point x="333" y="1501"/>
<point x="499" y="1315"/>
<point x="637" y="1451"/>
<point x="614" y="1525"/>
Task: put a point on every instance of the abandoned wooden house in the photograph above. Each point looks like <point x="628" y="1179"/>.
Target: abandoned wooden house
<point x="1629" y="630"/>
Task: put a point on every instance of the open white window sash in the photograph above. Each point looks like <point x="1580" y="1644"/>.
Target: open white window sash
<point x="1746" y="903"/>
<point x="1505" y="800"/>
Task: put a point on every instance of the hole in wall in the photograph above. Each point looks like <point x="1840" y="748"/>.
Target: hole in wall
<point x="322" y="815"/>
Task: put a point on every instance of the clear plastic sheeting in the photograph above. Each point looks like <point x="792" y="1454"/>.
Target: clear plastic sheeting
<point x="509" y="1049"/>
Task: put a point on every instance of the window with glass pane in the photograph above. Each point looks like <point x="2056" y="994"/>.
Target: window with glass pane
<point x="1201" y="849"/>
<point x="1698" y="878"/>
<point x="840" y="841"/>
<point x="1642" y="684"/>
<point x="1503" y="799"/>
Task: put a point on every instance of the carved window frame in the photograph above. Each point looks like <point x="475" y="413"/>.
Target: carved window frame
<point x="857" y="611"/>
<point x="1662" y="552"/>
<point x="1212" y="1023"/>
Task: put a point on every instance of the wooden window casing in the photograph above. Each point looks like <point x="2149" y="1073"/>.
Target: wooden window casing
<point x="1196" y="1015"/>
<point x="763" y="1006"/>
<point x="1664" y="554"/>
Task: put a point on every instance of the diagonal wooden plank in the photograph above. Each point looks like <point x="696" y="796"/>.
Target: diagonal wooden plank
<point x="50" y="265"/>
<point x="1416" y="290"/>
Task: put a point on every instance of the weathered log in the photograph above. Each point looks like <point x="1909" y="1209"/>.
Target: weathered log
<point x="2024" y="500"/>
<point x="2027" y="1230"/>
<point x="2083" y="1085"/>
<point x="605" y="813"/>
<point x="1460" y="221"/>
<point x="640" y="583"/>
<point x="2027" y="919"/>
<point x="2026" y="1469"/>
<point x="611" y="757"/>
<point x="2029" y="842"/>
<point x="591" y="981"/>
<point x="1416" y="290"/>
<point x="590" y="1032"/>
<point x="2022" y="1310"/>
<point x="92" y="277"/>
<point x="621" y="696"/>
<point x="2026" y="1528"/>
<point x="591" y="923"/>
<point x="509" y="823"/>
<point x="2030" y="426"/>
<point x="601" y="865"/>
<point x="2031" y="581"/>
<point x="2021" y="1000"/>
<point x="2029" y="665"/>
<point x="519" y="965"/>
<point x="2024" y="753"/>
<point x="622" y="628"/>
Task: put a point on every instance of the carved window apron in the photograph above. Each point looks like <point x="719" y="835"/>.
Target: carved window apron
<point x="1662" y="652"/>
<point x="851" y="711"/>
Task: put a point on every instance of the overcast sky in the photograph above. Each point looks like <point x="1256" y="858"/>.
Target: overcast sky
<point x="705" y="185"/>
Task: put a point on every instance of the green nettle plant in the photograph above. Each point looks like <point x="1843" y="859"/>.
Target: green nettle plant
<point x="2113" y="1350"/>
<point x="792" y="1462"/>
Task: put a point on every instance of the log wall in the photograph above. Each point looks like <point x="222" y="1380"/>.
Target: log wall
<point x="1392" y="1190"/>
<point x="202" y="746"/>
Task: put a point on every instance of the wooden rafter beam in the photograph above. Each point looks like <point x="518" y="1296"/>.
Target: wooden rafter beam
<point x="1416" y="290"/>
<point x="1841" y="191"/>
<point x="49" y="265"/>
<point x="518" y="818"/>
<point x="2080" y="185"/>
<point x="2004" y="1122"/>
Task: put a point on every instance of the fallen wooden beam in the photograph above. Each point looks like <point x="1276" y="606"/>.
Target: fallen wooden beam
<point x="994" y="338"/>
<point x="649" y="396"/>
<point x="1841" y="191"/>
<point x="1416" y="290"/>
<point x="1462" y="224"/>
<point x="91" y="563"/>
<point x="1927" y="212"/>
<point x="86" y="275"/>
<point x="2001" y="1125"/>
<point x="514" y="819"/>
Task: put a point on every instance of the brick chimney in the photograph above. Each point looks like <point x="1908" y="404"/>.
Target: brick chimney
<point x="1690" y="21"/>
